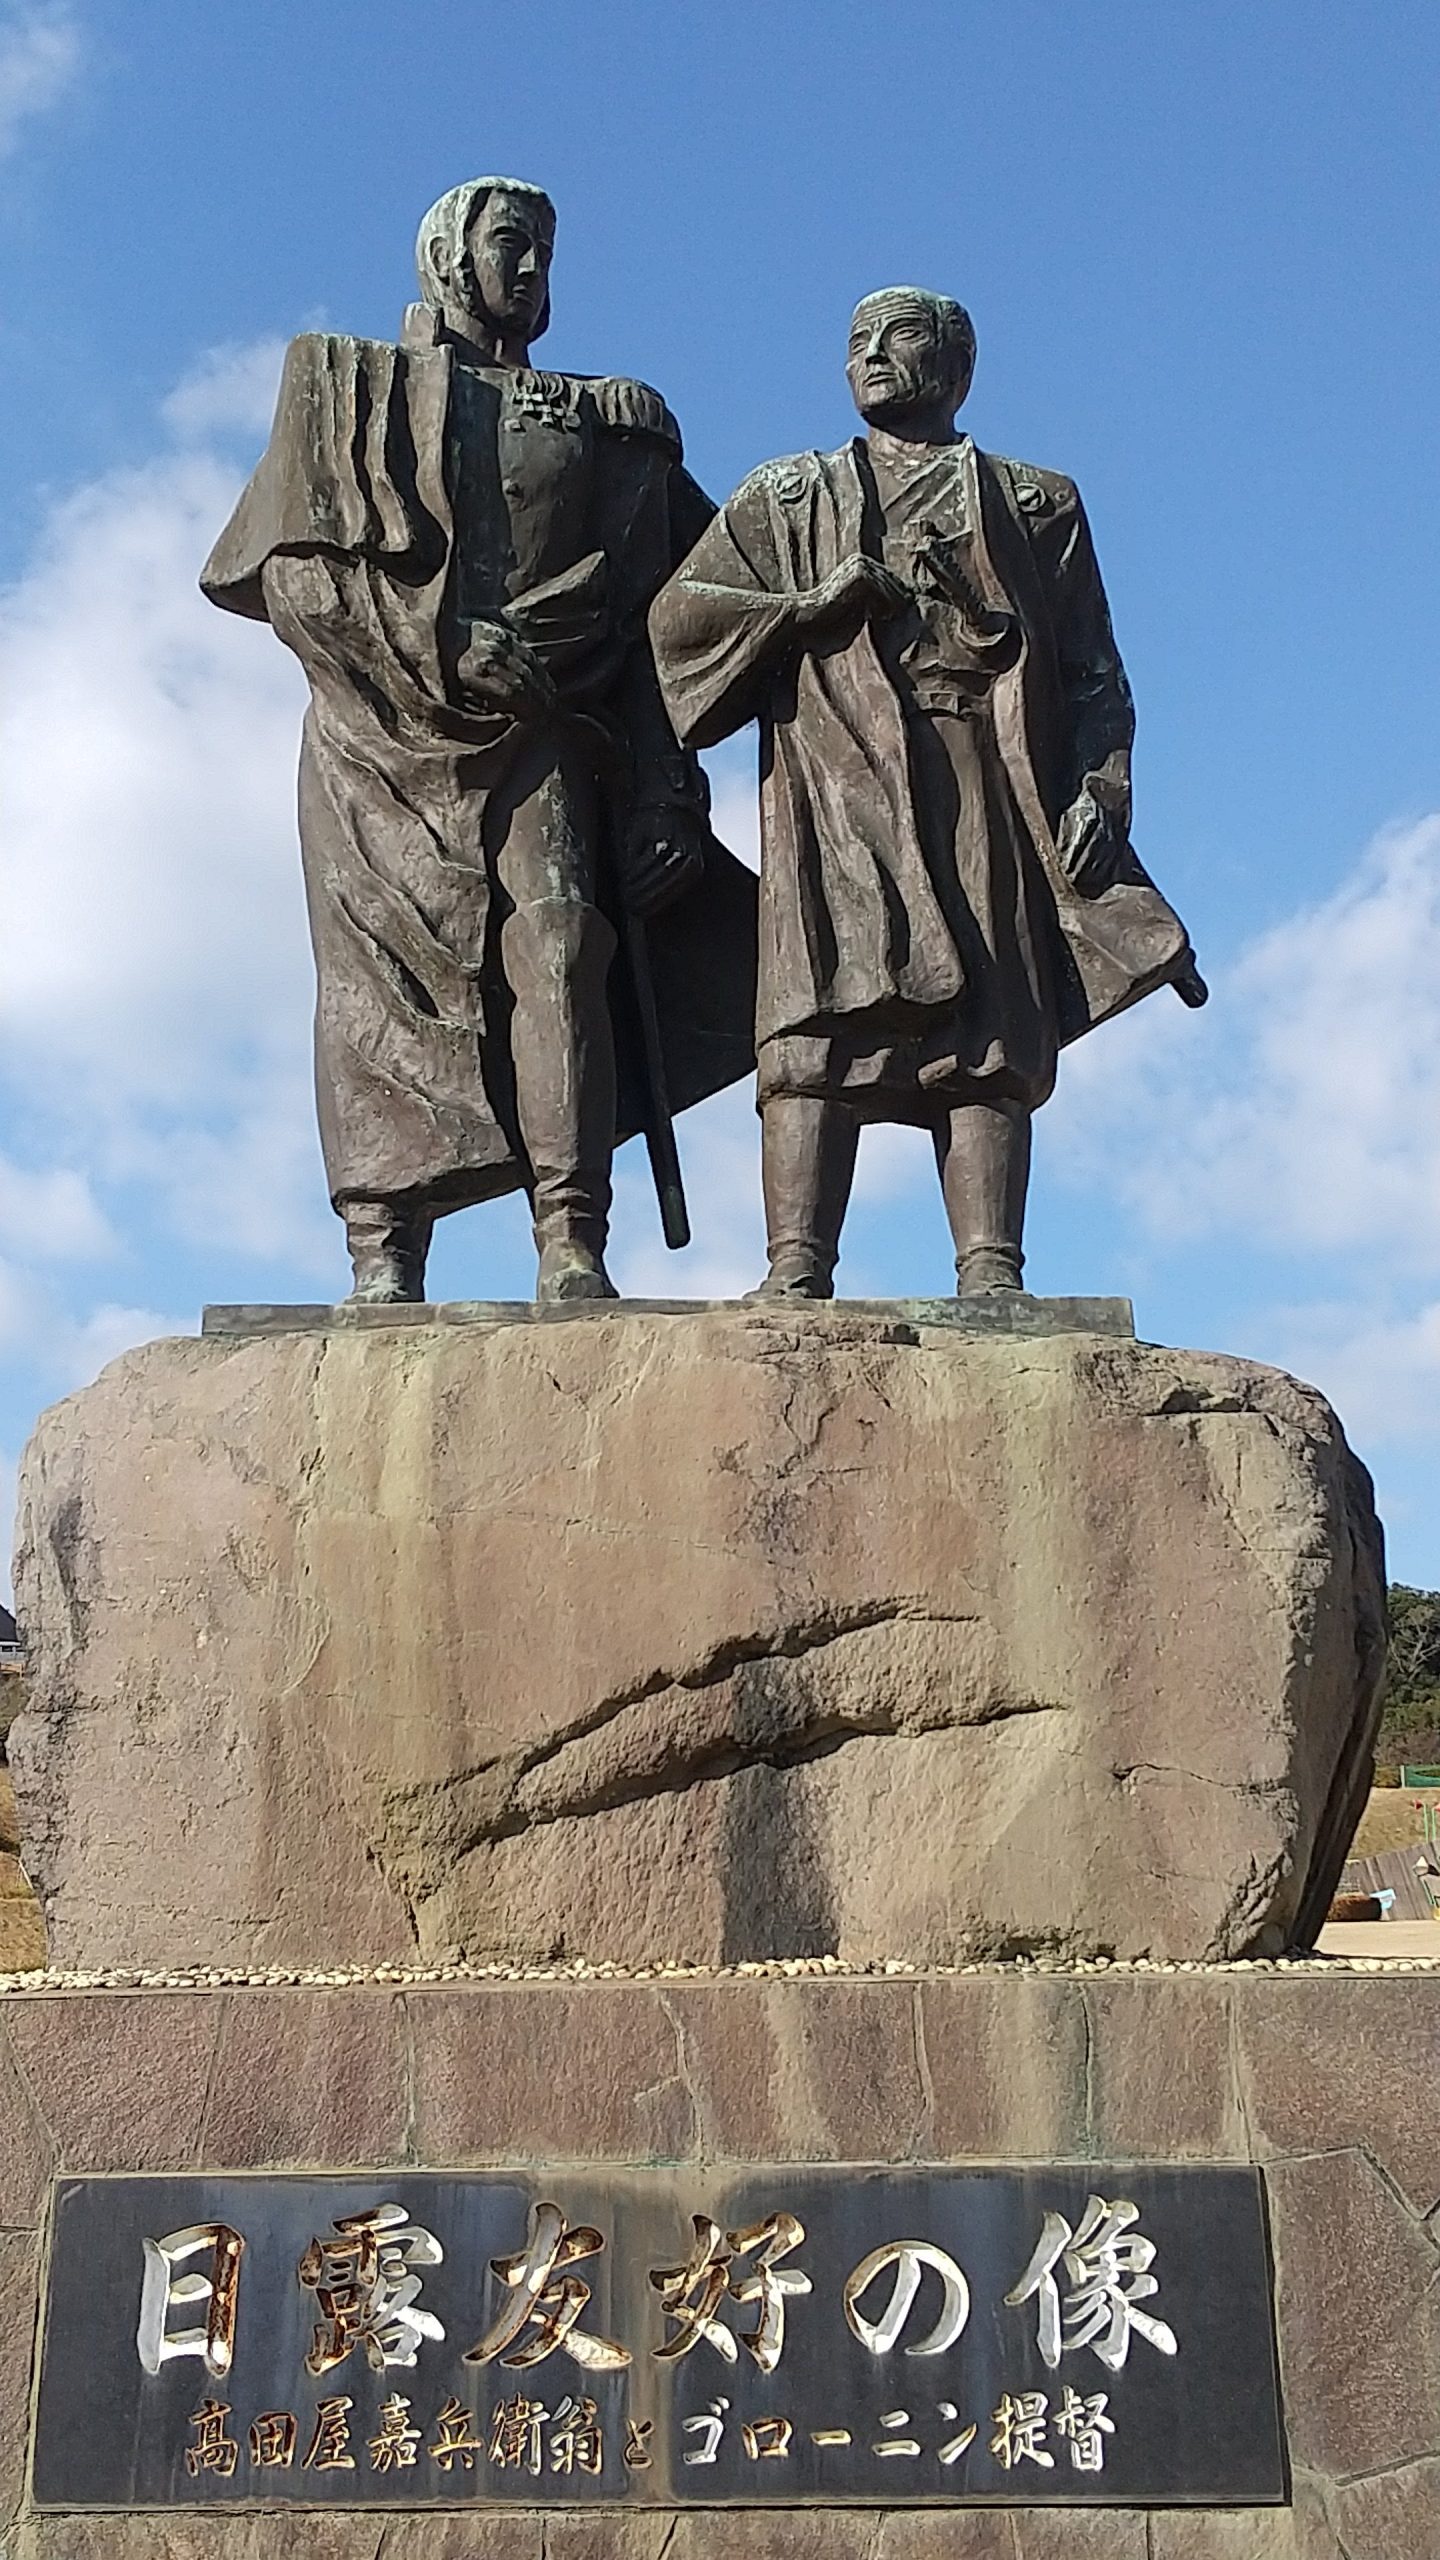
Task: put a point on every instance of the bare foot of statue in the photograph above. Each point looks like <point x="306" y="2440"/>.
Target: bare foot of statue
<point x="569" y="1272"/>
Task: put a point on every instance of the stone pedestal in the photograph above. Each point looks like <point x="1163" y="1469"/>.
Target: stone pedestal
<point x="738" y="1633"/>
<point x="1325" y="2078"/>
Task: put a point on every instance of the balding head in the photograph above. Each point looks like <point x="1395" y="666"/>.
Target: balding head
<point x="909" y="351"/>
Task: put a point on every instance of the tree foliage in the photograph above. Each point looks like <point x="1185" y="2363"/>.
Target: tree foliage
<point x="1410" y="1725"/>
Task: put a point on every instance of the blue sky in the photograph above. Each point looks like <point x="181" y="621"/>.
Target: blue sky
<point x="1200" y="246"/>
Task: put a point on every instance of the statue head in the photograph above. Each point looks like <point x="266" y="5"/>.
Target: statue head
<point x="483" y="253"/>
<point x="911" y="356"/>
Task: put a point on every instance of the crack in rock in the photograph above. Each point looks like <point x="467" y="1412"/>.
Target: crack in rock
<point x="800" y="1694"/>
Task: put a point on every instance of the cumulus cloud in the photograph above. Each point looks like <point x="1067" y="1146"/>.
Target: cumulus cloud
<point x="40" y="55"/>
<point x="1302" y="1109"/>
<point x="52" y="1213"/>
<point x="229" y="393"/>
<point x="157" y="981"/>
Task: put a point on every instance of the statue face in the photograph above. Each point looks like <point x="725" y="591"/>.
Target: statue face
<point x="897" y="362"/>
<point x="510" y="245"/>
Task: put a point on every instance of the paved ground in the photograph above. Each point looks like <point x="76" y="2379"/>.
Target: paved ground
<point x="1395" y="1939"/>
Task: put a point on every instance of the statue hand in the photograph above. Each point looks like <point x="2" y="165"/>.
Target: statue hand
<point x="501" y="674"/>
<point x="859" y="591"/>
<point x="663" y="858"/>
<point x="1091" y="843"/>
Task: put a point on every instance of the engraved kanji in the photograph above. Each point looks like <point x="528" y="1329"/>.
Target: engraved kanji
<point x="1019" y="2424"/>
<point x="272" y="2440"/>
<point x="395" y="2443"/>
<point x="1086" y="2426"/>
<point x="1107" y="2266"/>
<point x="516" y="2439"/>
<point x="545" y="2296"/>
<point x="364" y="2282"/>
<point x="330" y="2443"/>
<point x="215" y="2283"/>
<point x="213" y="2449"/>
<point x="576" y="2441"/>
<point x="454" y="2441"/>
<point x="693" y="2293"/>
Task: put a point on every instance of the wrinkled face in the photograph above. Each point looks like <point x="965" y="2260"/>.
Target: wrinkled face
<point x="510" y="243"/>
<point x="897" y="361"/>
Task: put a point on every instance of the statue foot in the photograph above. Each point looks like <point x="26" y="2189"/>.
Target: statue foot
<point x="570" y="1272"/>
<point x="388" y="1245"/>
<point x="385" y="1289"/>
<point x="987" y="1271"/>
<point x="793" y="1275"/>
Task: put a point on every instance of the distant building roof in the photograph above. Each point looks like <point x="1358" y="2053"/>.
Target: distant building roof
<point x="7" y="1627"/>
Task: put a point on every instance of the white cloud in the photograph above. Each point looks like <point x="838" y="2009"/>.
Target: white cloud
<point x="1381" y="1370"/>
<point x="230" y="392"/>
<point x="40" y="54"/>
<point x="720" y="1158"/>
<point x="1301" y="1110"/>
<point x="52" y="1214"/>
<point x="158" y="984"/>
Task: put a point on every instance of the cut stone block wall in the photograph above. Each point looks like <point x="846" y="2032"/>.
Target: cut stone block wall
<point x="1326" y="2079"/>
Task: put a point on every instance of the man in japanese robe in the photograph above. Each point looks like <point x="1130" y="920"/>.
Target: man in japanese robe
<point x="461" y="550"/>
<point x="948" y="891"/>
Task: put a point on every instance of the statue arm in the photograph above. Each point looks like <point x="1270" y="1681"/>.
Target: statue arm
<point x="723" y="625"/>
<point x="1098" y="717"/>
<point x="1099" y="705"/>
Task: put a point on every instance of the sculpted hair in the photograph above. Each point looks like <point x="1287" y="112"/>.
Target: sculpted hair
<point x="954" y="328"/>
<point x="449" y="221"/>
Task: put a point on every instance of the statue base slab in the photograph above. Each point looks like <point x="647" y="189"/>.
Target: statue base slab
<point x="1005" y="1311"/>
<point x="763" y="1632"/>
<point x="1320" y="2077"/>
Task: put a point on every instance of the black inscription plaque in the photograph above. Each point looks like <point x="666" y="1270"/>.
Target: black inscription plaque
<point x="1088" y="2336"/>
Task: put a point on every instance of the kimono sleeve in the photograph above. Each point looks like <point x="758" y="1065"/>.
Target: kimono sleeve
<point x="1092" y="677"/>
<point x="719" y="627"/>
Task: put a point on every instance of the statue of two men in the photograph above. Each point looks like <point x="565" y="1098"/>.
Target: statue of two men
<point x="521" y="618"/>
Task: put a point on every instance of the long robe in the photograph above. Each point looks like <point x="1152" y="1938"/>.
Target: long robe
<point x="859" y="941"/>
<point x="374" y="525"/>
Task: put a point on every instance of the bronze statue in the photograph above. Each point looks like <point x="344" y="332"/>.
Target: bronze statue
<point x="948" y="890"/>
<point x="461" y="551"/>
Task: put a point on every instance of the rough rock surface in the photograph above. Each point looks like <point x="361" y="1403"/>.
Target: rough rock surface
<point x="748" y="1635"/>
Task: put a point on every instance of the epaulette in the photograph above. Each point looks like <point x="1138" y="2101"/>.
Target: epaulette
<point x="633" y="409"/>
<point x="790" y="477"/>
<point x="1036" y="492"/>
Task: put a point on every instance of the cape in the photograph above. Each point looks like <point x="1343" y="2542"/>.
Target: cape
<point x="343" y="539"/>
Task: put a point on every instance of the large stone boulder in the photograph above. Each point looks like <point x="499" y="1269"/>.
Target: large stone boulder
<point x="743" y="1633"/>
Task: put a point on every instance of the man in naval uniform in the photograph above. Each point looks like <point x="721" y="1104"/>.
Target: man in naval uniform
<point x="461" y="550"/>
<point x="948" y="891"/>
